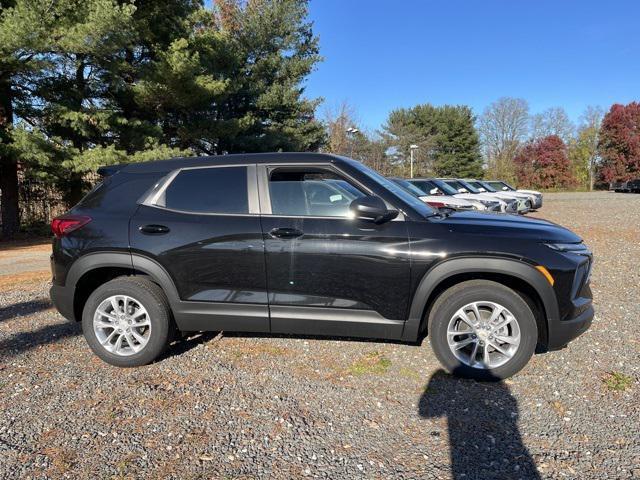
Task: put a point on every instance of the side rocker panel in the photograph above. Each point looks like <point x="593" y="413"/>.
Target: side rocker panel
<point x="449" y="268"/>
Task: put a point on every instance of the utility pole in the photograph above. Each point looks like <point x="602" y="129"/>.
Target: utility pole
<point x="412" y="148"/>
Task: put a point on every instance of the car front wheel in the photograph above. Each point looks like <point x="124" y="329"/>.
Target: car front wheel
<point x="482" y="329"/>
<point x="127" y="322"/>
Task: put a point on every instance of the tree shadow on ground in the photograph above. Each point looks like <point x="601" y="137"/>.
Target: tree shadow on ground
<point x="482" y="419"/>
<point x="23" y="309"/>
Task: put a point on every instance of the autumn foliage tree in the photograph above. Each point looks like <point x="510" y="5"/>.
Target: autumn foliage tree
<point x="544" y="163"/>
<point x="619" y="143"/>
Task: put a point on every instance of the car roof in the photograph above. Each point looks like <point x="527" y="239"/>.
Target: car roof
<point x="231" y="159"/>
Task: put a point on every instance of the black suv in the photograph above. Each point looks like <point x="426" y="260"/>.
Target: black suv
<point x="304" y="243"/>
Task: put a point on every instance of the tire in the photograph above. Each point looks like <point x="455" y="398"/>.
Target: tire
<point x="490" y="296"/>
<point x="156" y="328"/>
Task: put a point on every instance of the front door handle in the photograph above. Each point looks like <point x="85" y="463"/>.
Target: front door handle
<point x="154" y="229"/>
<point x="285" y="233"/>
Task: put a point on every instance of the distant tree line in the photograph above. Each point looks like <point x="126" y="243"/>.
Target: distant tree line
<point x="85" y="83"/>
<point x="544" y="150"/>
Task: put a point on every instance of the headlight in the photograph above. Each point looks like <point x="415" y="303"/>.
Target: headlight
<point x="579" y="248"/>
<point x="487" y="203"/>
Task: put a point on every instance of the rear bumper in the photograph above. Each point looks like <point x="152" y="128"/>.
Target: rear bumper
<point x="563" y="331"/>
<point x="62" y="299"/>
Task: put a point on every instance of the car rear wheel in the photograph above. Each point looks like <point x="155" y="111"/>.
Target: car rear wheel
<point x="127" y="322"/>
<point x="482" y="329"/>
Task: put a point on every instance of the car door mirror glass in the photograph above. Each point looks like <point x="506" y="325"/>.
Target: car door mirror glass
<point x="373" y="209"/>
<point x="434" y="191"/>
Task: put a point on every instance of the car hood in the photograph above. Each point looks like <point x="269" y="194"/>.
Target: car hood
<point x="533" y="192"/>
<point x="479" y="196"/>
<point x="512" y="226"/>
<point x="509" y="195"/>
<point x="445" y="199"/>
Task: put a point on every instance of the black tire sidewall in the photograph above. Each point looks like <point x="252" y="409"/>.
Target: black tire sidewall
<point x="472" y="291"/>
<point x="152" y="298"/>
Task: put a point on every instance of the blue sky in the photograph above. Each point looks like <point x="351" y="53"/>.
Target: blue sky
<point x="380" y="55"/>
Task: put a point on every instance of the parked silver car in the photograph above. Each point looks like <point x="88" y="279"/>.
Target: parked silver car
<point x="513" y="206"/>
<point x="435" y="186"/>
<point x="505" y="187"/>
<point x="438" y="201"/>
<point x="526" y="199"/>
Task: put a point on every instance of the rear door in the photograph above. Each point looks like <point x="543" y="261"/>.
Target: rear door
<point x="203" y="228"/>
<point x="328" y="273"/>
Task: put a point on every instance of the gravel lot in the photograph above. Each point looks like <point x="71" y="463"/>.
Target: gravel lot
<point x="232" y="406"/>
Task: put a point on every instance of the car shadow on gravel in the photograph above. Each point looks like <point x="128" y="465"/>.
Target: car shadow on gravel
<point x="24" y="308"/>
<point x="22" y="342"/>
<point x="482" y="421"/>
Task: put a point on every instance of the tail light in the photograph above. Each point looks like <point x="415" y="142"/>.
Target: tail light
<point x="61" y="226"/>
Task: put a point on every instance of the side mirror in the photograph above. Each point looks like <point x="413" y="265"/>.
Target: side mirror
<point x="463" y="190"/>
<point x="372" y="209"/>
<point x="504" y="189"/>
<point x="482" y="190"/>
<point x="434" y="191"/>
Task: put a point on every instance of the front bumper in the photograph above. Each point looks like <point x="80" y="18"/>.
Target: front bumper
<point x="562" y="332"/>
<point x="62" y="299"/>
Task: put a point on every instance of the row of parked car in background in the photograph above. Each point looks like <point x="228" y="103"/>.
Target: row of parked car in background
<point x="471" y="194"/>
<point x="631" y="186"/>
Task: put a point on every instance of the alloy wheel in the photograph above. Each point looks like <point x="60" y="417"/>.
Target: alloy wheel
<point x="122" y="325"/>
<point x="483" y="335"/>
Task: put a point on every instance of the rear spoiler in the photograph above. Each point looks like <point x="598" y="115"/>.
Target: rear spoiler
<point x="109" y="170"/>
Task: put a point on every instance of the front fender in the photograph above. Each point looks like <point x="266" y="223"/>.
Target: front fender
<point x="476" y="264"/>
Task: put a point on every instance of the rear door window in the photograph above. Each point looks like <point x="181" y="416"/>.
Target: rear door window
<point x="208" y="190"/>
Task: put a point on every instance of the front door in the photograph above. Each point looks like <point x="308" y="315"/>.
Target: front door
<point x="328" y="273"/>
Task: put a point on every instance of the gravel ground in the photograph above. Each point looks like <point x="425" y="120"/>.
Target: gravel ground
<point x="235" y="406"/>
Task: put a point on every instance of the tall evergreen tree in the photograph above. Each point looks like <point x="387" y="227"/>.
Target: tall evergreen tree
<point x="235" y="83"/>
<point x="446" y="137"/>
<point x="90" y="82"/>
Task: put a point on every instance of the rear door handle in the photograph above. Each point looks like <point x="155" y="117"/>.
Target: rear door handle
<point x="285" y="233"/>
<point x="154" y="229"/>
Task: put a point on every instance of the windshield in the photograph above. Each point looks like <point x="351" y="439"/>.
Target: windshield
<point x="477" y="184"/>
<point x="459" y="185"/>
<point x="408" y="186"/>
<point x="417" y="204"/>
<point x="468" y="186"/>
<point x="444" y="187"/>
<point x="487" y="187"/>
<point x="500" y="185"/>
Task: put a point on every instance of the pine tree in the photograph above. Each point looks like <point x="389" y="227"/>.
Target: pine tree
<point x="447" y="141"/>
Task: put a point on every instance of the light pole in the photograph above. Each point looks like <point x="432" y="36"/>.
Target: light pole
<point x="351" y="133"/>
<point x="412" y="148"/>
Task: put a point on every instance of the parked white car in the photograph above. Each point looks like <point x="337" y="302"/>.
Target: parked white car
<point x="525" y="200"/>
<point x="437" y="187"/>
<point x="505" y="187"/>
<point x="437" y="201"/>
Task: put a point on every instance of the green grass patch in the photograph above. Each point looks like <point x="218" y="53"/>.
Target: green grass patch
<point x="617" y="381"/>
<point x="373" y="363"/>
<point x="410" y="373"/>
